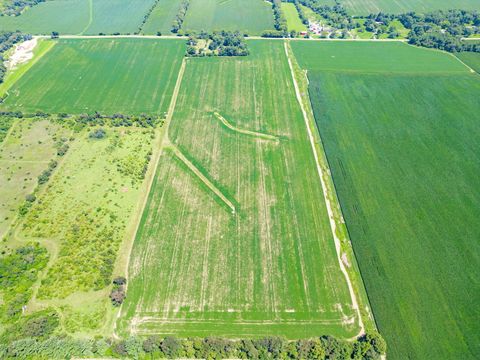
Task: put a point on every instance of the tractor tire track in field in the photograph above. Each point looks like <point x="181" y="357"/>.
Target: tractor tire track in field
<point x="245" y="132"/>
<point x="202" y="177"/>
<point x="328" y="203"/>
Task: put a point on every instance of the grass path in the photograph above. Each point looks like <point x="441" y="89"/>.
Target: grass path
<point x="322" y="169"/>
<point x="243" y="131"/>
<point x="90" y="17"/>
<point x="202" y="177"/>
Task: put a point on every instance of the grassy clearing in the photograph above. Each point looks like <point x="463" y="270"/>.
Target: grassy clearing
<point x="365" y="7"/>
<point x="471" y="59"/>
<point x="250" y="16"/>
<point x="24" y="153"/>
<point x="268" y="267"/>
<point x="293" y="20"/>
<point x="107" y="75"/>
<point x="64" y="16"/>
<point x="404" y="156"/>
<point x="161" y="18"/>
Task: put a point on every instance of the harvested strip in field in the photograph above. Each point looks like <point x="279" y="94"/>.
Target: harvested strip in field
<point x="128" y="76"/>
<point x="271" y="268"/>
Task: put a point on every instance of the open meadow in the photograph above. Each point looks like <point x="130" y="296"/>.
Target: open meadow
<point x="25" y="152"/>
<point x="235" y="239"/>
<point x="400" y="127"/>
<point x="250" y="16"/>
<point x="128" y="76"/>
<point x="365" y="7"/>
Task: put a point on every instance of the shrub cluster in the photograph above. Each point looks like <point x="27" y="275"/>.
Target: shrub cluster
<point x="117" y="295"/>
<point x="219" y="43"/>
<point x="182" y="11"/>
<point x="18" y="272"/>
<point x="15" y="7"/>
<point x="370" y="346"/>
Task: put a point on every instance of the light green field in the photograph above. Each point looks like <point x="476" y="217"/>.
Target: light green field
<point x="293" y="20"/>
<point x="122" y="16"/>
<point x="368" y="57"/>
<point x="106" y="75"/>
<point x="64" y="16"/>
<point x="251" y="16"/>
<point x="89" y="17"/>
<point x="365" y="7"/>
<point x="471" y="59"/>
<point x="161" y="18"/>
<point x="82" y="217"/>
<point x="235" y="239"/>
<point x="24" y="154"/>
<point x="402" y="143"/>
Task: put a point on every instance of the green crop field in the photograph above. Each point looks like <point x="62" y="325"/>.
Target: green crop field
<point x="293" y="20"/>
<point x="162" y="17"/>
<point x="365" y="7"/>
<point x="401" y="135"/>
<point x="106" y="75"/>
<point x="235" y="239"/>
<point x="251" y="16"/>
<point x="117" y="16"/>
<point x="471" y="59"/>
<point x="64" y="16"/>
<point x="89" y="17"/>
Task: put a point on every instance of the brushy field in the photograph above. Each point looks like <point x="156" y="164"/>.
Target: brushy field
<point x="365" y="7"/>
<point x="82" y="216"/>
<point x="293" y="20"/>
<point x="250" y="16"/>
<point x="235" y="239"/>
<point x="471" y="59"/>
<point x="107" y="75"/>
<point x="402" y="143"/>
<point x="26" y="149"/>
<point x="161" y="18"/>
<point x="64" y="16"/>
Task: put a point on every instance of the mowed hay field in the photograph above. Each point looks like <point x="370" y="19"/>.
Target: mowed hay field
<point x="365" y="7"/>
<point x="293" y="20"/>
<point x="162" y="17"/>
<point x="64" y="16"/>
<point x="235" y="239"/>
<point x="402" y="142"/>
<point x="106" y="75"/>
<point x="250" y="16"/>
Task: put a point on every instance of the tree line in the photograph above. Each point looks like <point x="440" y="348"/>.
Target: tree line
<point x="182" y="12"/>
<point x="41" y="346"/>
